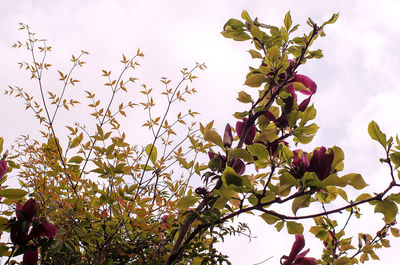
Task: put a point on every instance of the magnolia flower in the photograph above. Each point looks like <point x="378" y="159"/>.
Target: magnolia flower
<point x="320" y="162"/>
<point x="228" y="138"/>
<point x="306" y="81"/>
<point x="297" y="258"/>
<point x="240" y="125"/>
<point x="304" y="104"/>
<point x="299" y="164"/>
<point x="30" y="256"/>
<point x="26" y="211"/>
<point x="3" y="168"/>
<point x="239" y="166"/>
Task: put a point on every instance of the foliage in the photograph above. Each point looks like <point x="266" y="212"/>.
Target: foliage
<point x="96" y="199"/>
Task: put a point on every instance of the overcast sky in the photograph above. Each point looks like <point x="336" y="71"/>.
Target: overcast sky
<point x="357" y="79"/>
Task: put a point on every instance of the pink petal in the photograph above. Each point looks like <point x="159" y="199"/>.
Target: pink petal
<point x="307" y="82"/>
<point x="3" y="168"/>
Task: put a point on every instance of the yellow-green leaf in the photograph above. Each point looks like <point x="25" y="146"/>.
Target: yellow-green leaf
<point x="214" y="137"/>
<point x="186" y="202"/>
<point x="12" y="194"/>
<point x="255" y="80"/>
<point x="294" y="228"/>
<point x="376" y="133"/>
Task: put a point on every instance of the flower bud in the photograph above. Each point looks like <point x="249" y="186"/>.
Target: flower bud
<point x="228" y="138"/>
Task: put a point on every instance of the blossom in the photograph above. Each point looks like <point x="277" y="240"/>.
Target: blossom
<point x="30" y="256"/>
<point x="228" y="138"/>
<point x="26" y="211"/>
<point x="297" y="258"/>
<point x="299" y="164"/>
<point x="320" y="162"/>
<point x="3" y="168"/>
<point x="240" y="125"/>
<point x="306" y="81"/>
<point x="239" y="166"/>
<point x="304" y="104"/>
<point x="43" y="229"/>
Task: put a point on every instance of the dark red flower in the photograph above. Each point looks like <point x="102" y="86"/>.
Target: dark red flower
<point x="320" y="162"/>
<point x="228" y="138"/>
<point x="26" y="211"/>
<point x="3" y="168"/>
<point x="306" y="81"/>
<point x="297" y="258"/>
<point x="18" y="236"/>
<point x="30" y="256"/>
<point x="304" y="104"/>
<point x="269" y="115"/>
<point x="43" y="229"/>
<point x="300" y="164"/>
<point x="240" y="125"/>
<point x="239" y="166"/>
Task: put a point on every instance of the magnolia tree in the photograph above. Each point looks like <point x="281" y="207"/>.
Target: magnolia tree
<point x="89" y="197"/>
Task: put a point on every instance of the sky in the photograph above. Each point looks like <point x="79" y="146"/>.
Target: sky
<point x="357" y="78"/>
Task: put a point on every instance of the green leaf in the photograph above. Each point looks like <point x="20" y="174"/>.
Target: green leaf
<point x="376" y="133"/>
<point x="338" y="158"/>
<point x="302" y="201"/>
<point x="395" y="158"/>
<point x="214" y="137"/>
<point x="274" y="53"/>
<point x="234" y="24"/>
<point x="287" y="21"/>
<point x="333" y="180"/>
<point x="153" y="154"/>
<point x="331" y="20"/>
<point x="76" y="159"/>
<point x="240" y="115"/>
<point x="294" y="228"/>
<point x="388" y="208"/>
<point x="231" y="179"/>
<point x="364" y="196"/>
<point x="186" y="202"/>
<point x="270" y="218"/>
<point x="255" y="80"/>
<point x="258" y="150"/>
<point x="246" y="16"/>
<point x="305" y="135"/>
<point x="309" y="114"/>
<point x="240" y="153"/>
<point x="310" y="179"/>
<point x="244" y="97"/>
<point x="267" y="134"/>
<point x="355" y="180"/>
<point x="287" y="179"/>
<point x="220" y="203"/>
<point x="255" y="54"/>
<point x="395" y="197"/>
<point x="12" y="194"/>
<point x="1" y="145"/>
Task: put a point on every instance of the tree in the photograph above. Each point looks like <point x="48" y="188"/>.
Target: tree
<point x="96" y="199"/>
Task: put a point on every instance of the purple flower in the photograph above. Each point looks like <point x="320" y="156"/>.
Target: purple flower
<point x="297" y="258"/>
<point x="228" y="138"/>
<point x="3" y="168"/>
<point x="26" y="211"/>
<point x="320" y="162"/>
<point x="304" y="104"/>
<point x="306" y="81"/>
<point x="18" y="237"/>
<point x="299" y="164"/>
<point x="240" y="125"/>
<point x="43" y="229"/>
<point x="239" y="166"/>
<point x="30" y="256"/>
